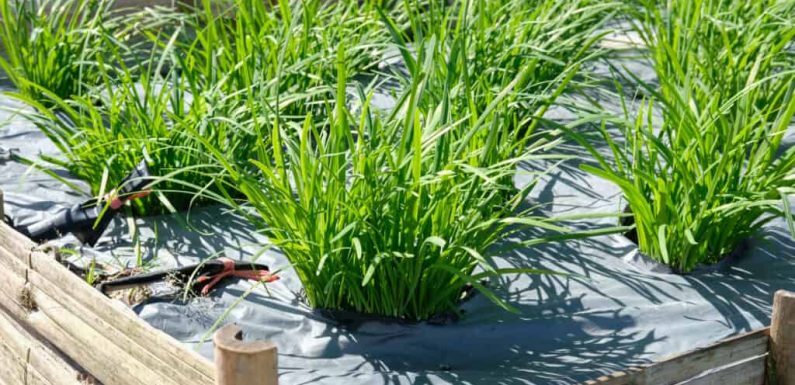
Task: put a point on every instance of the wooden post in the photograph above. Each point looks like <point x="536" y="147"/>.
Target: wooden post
<point x="2" y="208"/>
<point x="782" y="337"/>
<point x="244" y="363"/>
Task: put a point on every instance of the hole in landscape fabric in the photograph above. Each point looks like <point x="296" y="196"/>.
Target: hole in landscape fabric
<point x="642" y="261"/>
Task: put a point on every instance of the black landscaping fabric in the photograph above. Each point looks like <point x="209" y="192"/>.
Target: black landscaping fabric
<point x="615" y="308"/>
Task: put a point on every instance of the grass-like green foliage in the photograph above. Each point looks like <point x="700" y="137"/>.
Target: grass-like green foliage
<point x="713" y="170"/>
<point x="53" y="44"/>
<point x="103" y="136"/>
<point x="482" y="48"/>
<point x="225" y="70"/>
<point x="259" y="44"/>
<point x="211" y="74"/>
<point x="542" y="39"/>
<point x="393" y="213"/>
<point x="382" y="214"/>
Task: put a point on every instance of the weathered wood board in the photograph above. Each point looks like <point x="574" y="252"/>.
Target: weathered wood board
<point x="102" y="335"/>
<point x="738" y="360"/>
<point x="26" y="359"/>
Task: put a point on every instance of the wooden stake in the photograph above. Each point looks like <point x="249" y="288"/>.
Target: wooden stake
<point x="2" y="208"/>
<point x="244" y="363"/>
<point x="782" y="337"/>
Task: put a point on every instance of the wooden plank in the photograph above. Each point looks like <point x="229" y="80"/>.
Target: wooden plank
<point x="10" y="300"/>
<point x="111" y="334"/>
<point x="99" y="334"/>
<point x="16" y="243"/>
<point x="51" y="365"/>
<point x="197" y="369"/>
<point x="50" y="275"/>
<point x="133" y="361"/>
<point x="750" y="371"/>
<point x="690" y="364"/>
<point x="10" y="370"/>
<point x="107" y="362"/>
<point x="16" y="371"/>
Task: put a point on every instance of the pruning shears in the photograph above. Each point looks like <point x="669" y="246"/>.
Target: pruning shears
<point x="202" y="277"/>
<point x="89" y="219"/>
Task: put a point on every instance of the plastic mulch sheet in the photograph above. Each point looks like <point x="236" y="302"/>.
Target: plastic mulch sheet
<point x="611" y="311"/>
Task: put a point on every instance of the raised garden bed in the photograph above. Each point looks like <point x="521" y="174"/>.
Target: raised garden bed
<point x="57" y="330"/>
<point x="628" y="321"/>
<point x="439" y="200"/>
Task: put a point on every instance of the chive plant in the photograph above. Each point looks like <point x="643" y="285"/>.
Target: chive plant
<point x="210" y="73"/>
<point x="140" y="118"/>
<point x="393" y="213"/>
<point x="541" y="39"/>
<point x="713" y="170"/>
<point x="390" y="214"/>
<point x="53" y="45"/>
<point x="280" y="50"/>
<point x="250" y="38"/>
<point x="482" y="48"/>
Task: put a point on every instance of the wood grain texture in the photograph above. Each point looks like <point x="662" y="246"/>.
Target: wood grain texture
<point x="782" y="337"/>
<point x="750" y="371"/>
<point x="238" y="362"/>
<point x="691" y="364"/>
<point x="107" y="330"/>
<point x="34" y="354"/>
<point x="81" y="342"/>
<point x="89" y="327"/>
<point x="10" y="369"/>
<point x="24" y="373"/>
<point x="18" y="244"/>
